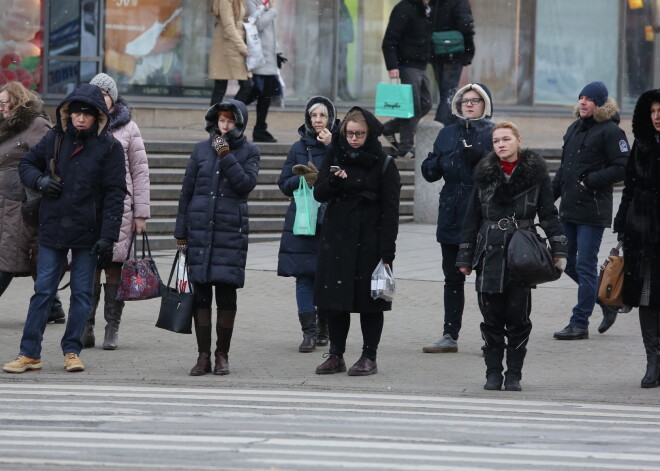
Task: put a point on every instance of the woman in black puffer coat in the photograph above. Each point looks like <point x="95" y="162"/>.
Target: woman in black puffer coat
<point x="638" y="225"/>
<point x="212" y="224"/>
<point x="512" y="188"/>
<point x="359" y="229"/>
<point x="297" y="255"/>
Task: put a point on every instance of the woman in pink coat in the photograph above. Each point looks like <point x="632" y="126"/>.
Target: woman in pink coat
<point x="136" y="211"/>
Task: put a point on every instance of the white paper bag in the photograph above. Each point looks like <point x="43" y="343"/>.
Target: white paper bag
<point x="182" y="283"/>
<point x="255" y="56"/>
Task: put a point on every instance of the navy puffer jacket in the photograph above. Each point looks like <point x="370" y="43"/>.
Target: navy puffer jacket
<point x="213" y="209"/>
<point x="297" y="254"/>
<point x="91" y="167"/>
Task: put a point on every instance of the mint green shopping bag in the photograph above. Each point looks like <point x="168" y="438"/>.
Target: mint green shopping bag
<point x="395" y="100"/>
<point x="307" y="209"/>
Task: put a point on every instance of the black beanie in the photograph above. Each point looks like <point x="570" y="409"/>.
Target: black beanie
<point x="82" y="107"/>
<point x="597" y="91"/>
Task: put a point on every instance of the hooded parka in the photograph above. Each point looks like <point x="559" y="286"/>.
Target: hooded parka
<point x="594" y="153"/>
<point x="361" y="221"/>
<point x="450" y="161"/>
<point x="18" y="133"/>
<point x="297" y="254"/>
<point x="225" y="60"/>
<point x="136" y="203"/>
<point x="213" y="209"/>
<point x="494" y="201"/>
<point x="638" y="217"/>
<point x="91" y="167"/>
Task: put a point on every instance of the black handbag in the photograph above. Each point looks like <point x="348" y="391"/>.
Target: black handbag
<point x="529" y="258"/>
<point x="176" y="309"/>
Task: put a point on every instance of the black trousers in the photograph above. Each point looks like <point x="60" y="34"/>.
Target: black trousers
<point x="506" y="315"/>
<point x="5" y="279"/>
<point x="339" y="323"/>
<point x="454" y="296"/>
<point x="220" y="88"/>
<point x="225" y="296"/>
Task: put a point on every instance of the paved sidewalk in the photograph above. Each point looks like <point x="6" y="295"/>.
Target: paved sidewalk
<point x="605" y="368"/>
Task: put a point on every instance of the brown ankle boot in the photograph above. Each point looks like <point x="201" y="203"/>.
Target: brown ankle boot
<point x="202" y="366"/>
<point x="221" y="364"/>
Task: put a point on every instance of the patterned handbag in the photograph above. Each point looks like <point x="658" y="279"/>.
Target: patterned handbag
<point x="139" y="277"/>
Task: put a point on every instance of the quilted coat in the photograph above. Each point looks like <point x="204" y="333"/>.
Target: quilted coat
<point x="213" y="209"/>
<point x="22" y="130"/>
<point x="136" y="203"/>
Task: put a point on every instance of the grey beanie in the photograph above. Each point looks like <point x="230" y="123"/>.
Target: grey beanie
<point x="107" y="84"/>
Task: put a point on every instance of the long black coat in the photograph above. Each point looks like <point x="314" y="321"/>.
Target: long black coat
<point x="525" y="195"/>
<point x="361" y="222"/>
<point x="638" y="217"/>
<point x="91" y="166"/>
<point x="213" y="209"/>
<point x="594" y="153"/>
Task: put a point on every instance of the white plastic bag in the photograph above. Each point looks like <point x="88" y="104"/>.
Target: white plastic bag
<point x="255" y="56"/>
<point x="382" y="283"/>
<point x="182" y="283"/>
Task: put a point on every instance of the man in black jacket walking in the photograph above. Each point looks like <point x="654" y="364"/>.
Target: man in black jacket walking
<point x="407" y="51"/>
<point x="79" y="168"/>
<point x="593" y="160"/>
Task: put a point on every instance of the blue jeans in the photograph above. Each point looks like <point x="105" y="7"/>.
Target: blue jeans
<point x="582" y="267"/>
<point x="49" y="272"/>
<point x="305" y="294"/>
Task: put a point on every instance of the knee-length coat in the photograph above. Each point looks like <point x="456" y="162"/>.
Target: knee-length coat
<point x="225" y="60"/>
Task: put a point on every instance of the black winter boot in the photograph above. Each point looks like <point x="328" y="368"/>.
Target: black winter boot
<point x="308" y="324"/>
<point x="649" y="321"/>
<point x="203" y="330"/>
<point x="56" y="314"/>
<point x="515" y="357"/>
<point x="112" y="311"/>
<point x="322" y="333"/>
<point x="493" y="358"/>
<point x="224" y="329"/>
<point x="88" y="340"/>
<point x="260" y="134"/>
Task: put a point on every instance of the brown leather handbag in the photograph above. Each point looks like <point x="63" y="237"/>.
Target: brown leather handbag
<point x="610" y="279"/>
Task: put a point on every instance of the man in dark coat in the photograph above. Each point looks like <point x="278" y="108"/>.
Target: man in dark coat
<point x="593" y="160"/>
<point x="451" y="15"/>
<point x="79" y="168"/>
<point x="407" y="51"/>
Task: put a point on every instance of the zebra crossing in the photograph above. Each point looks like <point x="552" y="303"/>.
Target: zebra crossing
<point x="67" y="426"/>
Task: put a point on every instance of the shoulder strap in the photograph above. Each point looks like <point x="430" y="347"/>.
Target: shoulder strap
<point x="56" y="155"/>
<point x="386" y="162"/>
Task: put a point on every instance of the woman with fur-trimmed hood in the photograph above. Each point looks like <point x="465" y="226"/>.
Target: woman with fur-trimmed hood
<point x="511" y="183"/>
<point x="637" y="223"/>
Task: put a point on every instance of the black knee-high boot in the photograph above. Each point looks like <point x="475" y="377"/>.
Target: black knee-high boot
<point x="224" y="329"/>
<point x="649" y="321"/>
<point x="202" y="317"/>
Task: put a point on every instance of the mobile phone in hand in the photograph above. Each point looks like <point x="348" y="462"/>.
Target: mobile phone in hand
<point x="335" y="168"/>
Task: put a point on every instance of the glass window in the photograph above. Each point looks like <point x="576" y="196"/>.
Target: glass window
<point x="20" y="42"/>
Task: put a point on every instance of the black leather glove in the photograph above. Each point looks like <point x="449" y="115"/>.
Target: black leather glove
<point x="281" y="60"/>
<point x="49" y="186"/>
<point x="103" y="248"/>
<point x="471" y="155"/>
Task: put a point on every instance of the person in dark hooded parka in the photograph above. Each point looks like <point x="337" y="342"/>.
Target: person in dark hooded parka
<point x="297" y="254"/>
<point x="79" y="168"/>
<point x="212" y="225"/>
<point x="359" y="230"/>
<point x="637" y="223"/>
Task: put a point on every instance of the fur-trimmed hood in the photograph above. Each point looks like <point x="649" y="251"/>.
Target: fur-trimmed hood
<point x="609" y="110"/>
<point x="646" y="137"/>
<point x="482" y="90"/>
<point x="240" y="112"/>
<point x="90" y="94"/>
<point x="493" y="184"/>
<point x="21" y="119"/>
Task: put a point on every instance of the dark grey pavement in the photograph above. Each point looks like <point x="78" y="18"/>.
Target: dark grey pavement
<point x="605" y="368"/>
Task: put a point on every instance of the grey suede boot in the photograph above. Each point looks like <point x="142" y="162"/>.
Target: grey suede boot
<point x="88" y="340"/>
<point x="112" y="311"/>
<point x="308" y="324"/>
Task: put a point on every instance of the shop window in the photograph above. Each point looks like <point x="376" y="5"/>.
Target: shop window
<point x="20" y="42"/>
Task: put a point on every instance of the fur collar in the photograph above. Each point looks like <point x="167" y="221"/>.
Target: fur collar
<point x="609" y="110"/>
<point x="645" y="134"/>
<point x="120" y="115"/>
<point x="493" y="184"/>
<point x="21" y="119"/>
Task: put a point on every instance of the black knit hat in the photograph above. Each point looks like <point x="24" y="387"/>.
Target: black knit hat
<point x="596" y="91"/>
<point x="82" y="107"/>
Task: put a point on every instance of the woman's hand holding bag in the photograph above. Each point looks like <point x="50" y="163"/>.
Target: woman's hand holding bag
<point x="139" y="277"/>
<point x="307" y="209"/>
<point x="177" y="302"/>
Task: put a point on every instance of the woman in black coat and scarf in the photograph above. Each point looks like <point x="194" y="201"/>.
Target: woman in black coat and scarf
<point x="212" y="226"/>
<point x="512" y="188"/>
<point x="360" y="227"/>
<point x="297" y="255"/>
<point x="638" y="224"/>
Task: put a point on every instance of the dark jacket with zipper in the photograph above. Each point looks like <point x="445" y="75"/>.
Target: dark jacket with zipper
<point x="455" y="15"/>
<point x="593" y="160"/>
<point x="495" y="200"/>
<point x="213" y="209"/>
<point x="638" y="217"/>
<point x="407" y="40"/>
<point x="91" y="167"/>
<point x="361" y="222"/>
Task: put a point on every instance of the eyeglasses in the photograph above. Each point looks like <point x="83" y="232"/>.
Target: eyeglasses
<point x="474" y="101"/>
<point x="358" y="134"/>
<point x="3" y="104"/>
